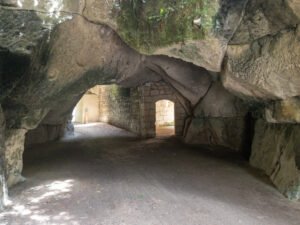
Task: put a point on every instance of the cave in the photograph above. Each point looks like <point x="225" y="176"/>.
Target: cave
<point x="149" y="112"/>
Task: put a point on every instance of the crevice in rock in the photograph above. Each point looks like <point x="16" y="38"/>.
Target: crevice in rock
<point x="249" y="135"/>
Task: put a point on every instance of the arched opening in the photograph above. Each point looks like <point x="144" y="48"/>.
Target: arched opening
<point x="87" y="109"/>
<point x="164" y="118"/>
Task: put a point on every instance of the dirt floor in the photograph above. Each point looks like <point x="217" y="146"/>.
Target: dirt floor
<point x="107" y="176"/>
<point x="163" y="131"/>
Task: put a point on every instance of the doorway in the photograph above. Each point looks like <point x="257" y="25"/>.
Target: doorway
<point x="164" y="118"/>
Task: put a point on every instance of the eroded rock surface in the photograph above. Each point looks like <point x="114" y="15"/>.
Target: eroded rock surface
<point x="265" y="69"/>
<point x="62" y="69"/>
<point x="196" y="31"/>
<point x="284" y="111"/>
<point x="2" y="172"/>
<point x="14" y="147"/>
<point x="51" y="52"/>
<point x="275" y="150"/>
<point x="219" y="120"/>
<point x="266" y="17"/>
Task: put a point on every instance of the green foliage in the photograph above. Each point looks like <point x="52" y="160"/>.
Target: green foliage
<point x="117" y="91"/>
<point x="146" y="25"/>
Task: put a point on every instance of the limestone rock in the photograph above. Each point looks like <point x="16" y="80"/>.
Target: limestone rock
<point x="193" y="85"/>
<point x="56" y="123"/>
<point x="9" y="3"/>
<point x="2" y="173"/>
<point x="163" y="27"/>
<point x="265" y="69"/>
<point x="217" y="132"/>
<point x="44" y="133"/>
<point x="22" y="27"/>
<point x="266" y="17"/>
<point x="101" y="11"/>
<point x="285" y="111"/>
<point x="208" y="53"/>
<point x="20" y="31"/>
<point x="68" y="47"/>
<point x="100" y="58"/>
<point x="62" y="69"/>
<point x="151" y="27"/>
<point x="14" y="147"/>
<point x="294" y="6"/>
<point x="218" y="102"/>
<point x="275" y="150"/>
<point x="168" y="28"/>
<point x="219" y="120"/>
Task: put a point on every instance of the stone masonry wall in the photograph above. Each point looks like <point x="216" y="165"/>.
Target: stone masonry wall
<point x="120" y="107"/>
<point x="150" y="94"/>
<point x="134" y="109"/>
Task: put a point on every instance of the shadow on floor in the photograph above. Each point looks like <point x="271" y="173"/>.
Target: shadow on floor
<point x="127" y="180"/>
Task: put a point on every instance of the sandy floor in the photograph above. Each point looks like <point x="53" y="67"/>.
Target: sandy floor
<point x="107" y="176"/>
<point x="164" y="131"/>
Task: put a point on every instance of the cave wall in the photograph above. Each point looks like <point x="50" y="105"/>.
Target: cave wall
<point x="219" y="119"/>
<point x="14" y="148"/>
<point x="276" y="150"/>
<point x="2" y="166"/>
<point x="44" y="133"/>
<point x="51" y="54"/>
<point x="261" y="67"/>
<point x="120" y="107"/>
<point x="56" y="123"/>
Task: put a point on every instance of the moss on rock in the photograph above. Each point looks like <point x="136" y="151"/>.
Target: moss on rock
<point x="147" y="25"/>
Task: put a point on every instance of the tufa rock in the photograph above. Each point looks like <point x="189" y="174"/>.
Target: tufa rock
<point x="276" y="151"/>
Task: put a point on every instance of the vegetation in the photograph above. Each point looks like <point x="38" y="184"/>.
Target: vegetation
<point x="146" y="25"/>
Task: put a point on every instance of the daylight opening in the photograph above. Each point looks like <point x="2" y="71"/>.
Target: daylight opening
<point x="87" y="109"/>
<point x="165" y="118"/>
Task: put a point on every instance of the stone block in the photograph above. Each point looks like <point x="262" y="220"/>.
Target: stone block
<point x="154" y="92"/>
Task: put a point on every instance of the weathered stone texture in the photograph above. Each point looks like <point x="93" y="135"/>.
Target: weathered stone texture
<point x="55" y="64"/>
<point x="266" y="17"/>
<point x="120" y="107"/>
<point x="177" y="35"/>
<point x="24" y="26"/>
<point x="134" y="108"/>
<point x="285" y="111"/>
<point x="14" y="147"/>
<point x="217" y="132"/>
<point x="203" y="44"/>
<point x="276" y="150"/>
<point x="44" y="133"/>
<point x="265" y="69"/>
<point x="2" y="166"/>
<point x="218" y="120"/>
<point x="218" y="102"/>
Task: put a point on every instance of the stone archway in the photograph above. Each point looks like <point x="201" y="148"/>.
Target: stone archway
<point x="87" y="109"/>
<point x="62" y="68"/>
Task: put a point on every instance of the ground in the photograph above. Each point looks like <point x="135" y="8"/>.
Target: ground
<point x="105" y="175"/>
<point x="163" y="131"/>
